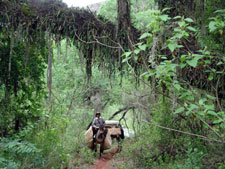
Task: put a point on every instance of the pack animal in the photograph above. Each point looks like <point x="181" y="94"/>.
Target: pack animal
<point x="100" y="139"/>
<point x="118" y="137"/>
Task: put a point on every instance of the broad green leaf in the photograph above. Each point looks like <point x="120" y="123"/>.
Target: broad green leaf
<point x="188" y="112"/>
<point x="177" y="30"/>
<point x="178" y="35"/>
<point x="172" y="46"/>
<point x="142" y="47"/>
<point x="209" y="107"/>
<point x="147" y="74"/>
<point x="198" y="56"/>
<point x="177" y="86"/>
<point x="212" y="113"/>
<point x="218" y="121"/>
<point x="126" y="59"/>
<point x="136" y="58"/>
<point x="182" y="65"/>
<point x="190" y="98"/>
<point x="191" y="29"/>
<point x="210" y="76"/>
<point x="136" y="51"/>
<point x="188" y="20"/>
<point x="201" y="101"/>
<point x="180" y="46"/>
<point x="223" y="59"/>
<point x="202" y="113"/>
<point x="166" y="9"/>
<point x="207" y="61"/>
<point x="213" y="70"/>
<point x="143" y="74"/>
<point x="177" y="17"/>
<point x="127" y="54"/>
<point x="193" y="106"/>
<point x="212" y="26"/>
<point x="145" y="35"/>
<point x="221" y="113"/>
<point x="183" y="58"/>
<point x="192" y="62"/>
<point x="163" y="57"/>
<point x="219" y="63"/>
<point x="181" y="24"/>
<point x="210" y="97"/>
<point x="179" y="110"/>
<point x="164" y="17"/>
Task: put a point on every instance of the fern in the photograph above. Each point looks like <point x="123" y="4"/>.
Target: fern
<point x="6" y="164"/>
<point x="14" y="152"/>
<point x="18" y="146"/>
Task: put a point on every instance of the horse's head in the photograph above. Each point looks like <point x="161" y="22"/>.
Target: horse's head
<point x="100" y="137"/>
<point x="102" y="128"/>
<point x="101" y="134"/>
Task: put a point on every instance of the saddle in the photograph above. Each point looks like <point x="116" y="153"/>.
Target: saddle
<point x="89" y="139"/>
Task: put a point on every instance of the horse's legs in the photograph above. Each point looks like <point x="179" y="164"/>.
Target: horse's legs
<point x="101" y="150"/>
<point x="119" y="144"/>
<point x="96" y="147"/>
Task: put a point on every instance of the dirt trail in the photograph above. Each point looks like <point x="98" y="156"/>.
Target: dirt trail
<point x="105" y="162"/>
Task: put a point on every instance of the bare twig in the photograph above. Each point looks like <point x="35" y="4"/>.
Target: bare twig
<point x="210" y="127"/>
<point x="71" y="101"/>
<point x="124" y="114"/>
<point x="107" y="101"/>
<point x="119" y="111"/>
<point x="114" y="47"/>
<point x="152" y="52"/>
<point x="184" y="132"/>
<point x="97" y="41"/>
<point x="216" y="90"/>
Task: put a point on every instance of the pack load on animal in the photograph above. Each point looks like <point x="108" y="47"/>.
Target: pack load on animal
<point x="113" y="131"/>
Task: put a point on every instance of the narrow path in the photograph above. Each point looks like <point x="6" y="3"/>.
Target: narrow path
<point x="105" y="162"/>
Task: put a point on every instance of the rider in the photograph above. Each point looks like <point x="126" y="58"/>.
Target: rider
<point x="97" y="122"/>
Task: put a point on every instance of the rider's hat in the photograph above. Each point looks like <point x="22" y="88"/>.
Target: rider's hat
<point x="98" y="113"/>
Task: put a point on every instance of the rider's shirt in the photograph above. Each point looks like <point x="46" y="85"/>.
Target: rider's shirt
<point x="97" y="122"/>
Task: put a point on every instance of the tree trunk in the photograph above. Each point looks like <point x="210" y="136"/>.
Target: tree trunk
<point x="49" y="73"/>
<point x="17" y="123"/>
<point x="125" y="29"/>
<point x="202" y="3"/>
<point x="89" y="64"/>
<point x="11" y="52"/>
<point x="49" y="76"/>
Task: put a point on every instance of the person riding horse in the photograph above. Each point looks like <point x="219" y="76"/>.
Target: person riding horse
<point x="97" y="122"/>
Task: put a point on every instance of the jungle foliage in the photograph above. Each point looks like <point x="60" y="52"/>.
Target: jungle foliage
<point x="156" y="66"/>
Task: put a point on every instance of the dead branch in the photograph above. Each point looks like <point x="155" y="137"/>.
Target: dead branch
<point x="107" y="101"/>
<point x="72" y="99"/>
<point x="123" y="116"/>
<point x="184" y="132"/>
<point x="121" y="110"/>
<point x="96" y="41"/>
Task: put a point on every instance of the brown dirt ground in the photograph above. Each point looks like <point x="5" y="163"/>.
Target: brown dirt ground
<point x="106" y="161"/>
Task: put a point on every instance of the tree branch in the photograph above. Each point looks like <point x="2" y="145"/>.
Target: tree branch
<point x="121" y="110"/>
<point x="184" y="132"/>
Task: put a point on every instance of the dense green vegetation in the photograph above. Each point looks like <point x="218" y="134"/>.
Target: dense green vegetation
<point x="162" y="71"/>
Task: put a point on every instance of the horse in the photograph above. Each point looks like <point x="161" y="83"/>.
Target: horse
<point x="100" y="139"/>
<point x="101" y="135"/>
<point x="118" y="138"/>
